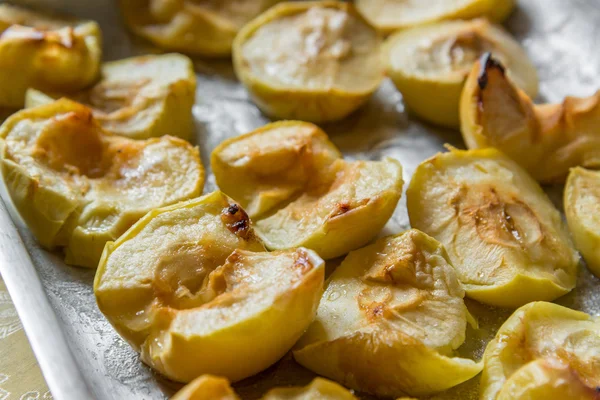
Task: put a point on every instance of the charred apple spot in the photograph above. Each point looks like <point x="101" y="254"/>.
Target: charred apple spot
<point x="236" y="220"/>
<point x="487" y="62"/>
<point x="302" y="261"/>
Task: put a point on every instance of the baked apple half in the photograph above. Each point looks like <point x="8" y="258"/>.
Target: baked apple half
<point x="201" y="27"/>
<point x="543" y="351"/>
<point x="505" y="238"/>
<point x="300" y="192"/>
<point x="430" y="64"/>
<point x="390" y="320"/>
<point x="191" y="288"/>
<point x="582" y="209"/>
<point x="545" y="139"/>
<point x="138" y="97"/>
<point x="78" y="187"/>
<point x="314" y="61"/>
<point x="392" y="15"/>
<point x="46" y="52"/>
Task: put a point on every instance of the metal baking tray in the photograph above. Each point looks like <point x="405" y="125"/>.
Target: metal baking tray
<point x="80" y="354"/>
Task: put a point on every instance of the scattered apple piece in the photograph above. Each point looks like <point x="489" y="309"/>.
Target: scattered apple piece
<point x="543" y="352"/>
<point x="78" y="187"/>
<point x="391" y="15"/>
<point x="430" y="64"/>
<point x="505" y="238"/>
<point x="46" y="52"/>
<point x="547" y="140"/>
<point x="191" y="288"/>
<point x="300" y="192"/>
<point x="138" y="97"/>
<point x="315" y="61"/>
<point x="390" y="319"/>
<point x="318" y="389"/>
<point x="201" y="27"/>
<point x="207" y="387"/>
<point x="582" y="209"/>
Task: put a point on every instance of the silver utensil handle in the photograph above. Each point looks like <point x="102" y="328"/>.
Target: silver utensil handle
<point x="58" y="365"/>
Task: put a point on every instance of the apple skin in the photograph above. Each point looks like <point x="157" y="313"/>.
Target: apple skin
<point x="302" y="193"/>
<point x="506" y="239"/>
<point x="313" y="103"/>
<point x="543" y="352"/>
<point x="32" y="53"/>
<point x="154" y="96"/>
<point x="74" y="184"/>
<point x="547" y="140"/>
<point x="210" y="296"/>
<point x="207" y="387"/>
<point x="390" y="319"/>
<point x="581" y="201"/>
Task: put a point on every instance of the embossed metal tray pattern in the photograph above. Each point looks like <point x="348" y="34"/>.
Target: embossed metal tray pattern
<point x="560" y="36"/>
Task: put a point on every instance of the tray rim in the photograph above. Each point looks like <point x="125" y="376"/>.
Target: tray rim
<point x="40" y="323"/>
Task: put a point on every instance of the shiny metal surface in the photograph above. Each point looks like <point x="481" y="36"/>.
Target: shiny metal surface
<point x="561" y="38"/>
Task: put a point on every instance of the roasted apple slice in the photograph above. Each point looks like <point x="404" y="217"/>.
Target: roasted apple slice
<point x="201" y="27"/>
<point x="582" y="208"/>
<point x="546" y="139"/>
<point x="300" y="192"/>
<point x="429" y="64"/>
<point x="543" y="351"/>
<point x="78" y="187"/>
<point x="392" y="15"/>
<point x="138" y="97"/>
<point x="505" y="238"/>
<point x="315" y="61"/>
<point x="318" y="389"/>
<point x="207" y="387"/>
<point x="190" y="287"/>
<point x="46" y="52"/>
<point x="390" y="319"/>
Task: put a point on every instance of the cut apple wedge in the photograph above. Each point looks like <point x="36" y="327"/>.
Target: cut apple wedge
<point x="78" y="187"/>
<point x="138" y="97"/>
<point x="201" y="27"/>
<point x="505" y="238"/>
<point x="314" y="61"/>
<point x="390" y="319"/>
<point x="46" y="52"/>
<point x="207" y="387"/>
<point x="543" y="352"/>
<point x="300" y="192"/>
<point x="430" y="64"/>
<point x="391" y="15"/>
<point x="546" y="139"/>
<point x="191" y="288"/>
<point x="582" y="209"/>
<point x="318" y="389"/>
